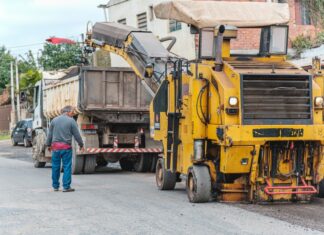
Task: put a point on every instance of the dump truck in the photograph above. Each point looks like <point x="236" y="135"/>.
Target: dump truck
<point x="238" y="127"/>
<point x="111" y="111"/>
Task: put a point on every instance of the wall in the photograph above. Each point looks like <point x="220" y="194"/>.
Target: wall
<point x="5" y="118"/>
<point x="248" y="39"/>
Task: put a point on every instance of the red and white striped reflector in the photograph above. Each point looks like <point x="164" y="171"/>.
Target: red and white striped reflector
<point x="123" y="150"/>
<point x="89" y="127"/>
<point x="115" y="142"/>
<point x="136" y="142"/>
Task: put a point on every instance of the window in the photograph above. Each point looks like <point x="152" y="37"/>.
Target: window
<point x="302" y="13"/>
<point x="122" y="21"/>
<point x="174" y="25"/>
<point x="142" y="21"/>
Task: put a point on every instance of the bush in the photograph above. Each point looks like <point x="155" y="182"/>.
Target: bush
<point x="319" y="40"/>
<point x="301" y="43"/>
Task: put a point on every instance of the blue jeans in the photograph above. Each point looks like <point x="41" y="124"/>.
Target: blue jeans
<point x="66" y="156"/>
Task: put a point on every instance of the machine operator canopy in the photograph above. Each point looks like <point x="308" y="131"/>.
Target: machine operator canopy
<point x="203" y="14"/>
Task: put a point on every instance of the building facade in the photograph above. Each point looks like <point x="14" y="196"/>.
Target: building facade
<point x="140" y="14"/>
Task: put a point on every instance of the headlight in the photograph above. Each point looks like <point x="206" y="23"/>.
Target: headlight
<point x="233" y="101"/>
<point x="319" y="101"/>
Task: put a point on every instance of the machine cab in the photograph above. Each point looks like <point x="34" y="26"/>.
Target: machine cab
<point x="273" y="41"/>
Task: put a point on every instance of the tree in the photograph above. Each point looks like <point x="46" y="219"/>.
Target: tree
<point x="28" y="81"/>
<point x="27" y="63"/>
<point x="60" y="56"/>
<point x="315" y="9"/>
<point x="5" y="59"/>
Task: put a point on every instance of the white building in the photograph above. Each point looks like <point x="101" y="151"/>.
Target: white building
<point x="139" y="14"/>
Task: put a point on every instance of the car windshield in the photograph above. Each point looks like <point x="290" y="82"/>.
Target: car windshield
<point x="30" y="123"/>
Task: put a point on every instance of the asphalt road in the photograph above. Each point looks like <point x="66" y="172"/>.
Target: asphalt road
<point x="116" y="202"/>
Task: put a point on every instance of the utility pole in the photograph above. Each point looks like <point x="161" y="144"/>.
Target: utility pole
<point x="12" y="87"/>
<point x="18" y="94"/>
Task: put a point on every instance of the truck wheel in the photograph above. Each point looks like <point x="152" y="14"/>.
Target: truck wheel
<point x="77" y="161"/>
<point x="90" y="164"/>
<point x="13" y="142"/>
<point x="153" y="165"/>
<point x="38" y="164"/>
<point x="165" y="179"/>
<point x="26" y="143"/>
<point x="321" y="189"/>
<point x="198" y="184"/>
<point x="143" y="163"/>
<point x="126" y="164"/>
<point x="101" y="161"/>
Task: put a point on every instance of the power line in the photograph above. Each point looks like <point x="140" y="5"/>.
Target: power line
<point x="27" y="45"/>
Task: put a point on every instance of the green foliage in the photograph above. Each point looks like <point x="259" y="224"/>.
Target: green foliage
<point x="60" y="56"/>
<point x="319" y="40"/>
<point x="5" y="59"/>
<point x="27" y="63"/>
<point x="28" y="79"/>
<point x="301" y="43"/>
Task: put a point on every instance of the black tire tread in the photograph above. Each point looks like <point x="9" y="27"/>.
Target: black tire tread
<point x="169" y="178"/>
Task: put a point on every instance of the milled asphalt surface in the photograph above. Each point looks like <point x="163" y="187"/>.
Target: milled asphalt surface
<point x="116" y="202"/>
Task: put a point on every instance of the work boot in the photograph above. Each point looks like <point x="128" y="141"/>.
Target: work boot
<point x="67" y="190"/>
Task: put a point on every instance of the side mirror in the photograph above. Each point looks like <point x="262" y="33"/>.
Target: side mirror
<point x="149" y="70"/>
<point x="194" y="29"/>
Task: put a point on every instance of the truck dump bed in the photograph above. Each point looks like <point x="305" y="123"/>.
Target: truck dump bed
<point x="97" y="92"/>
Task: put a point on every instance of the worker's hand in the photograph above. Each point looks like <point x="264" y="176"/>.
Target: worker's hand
<point x="49" y="149"/>
<point x="82" y="149"/>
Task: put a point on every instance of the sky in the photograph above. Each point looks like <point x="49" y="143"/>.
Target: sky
<point x="26" y="24"/>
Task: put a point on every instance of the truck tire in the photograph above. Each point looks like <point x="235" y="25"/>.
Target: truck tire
<point x="198" y="184"/>
<point x="143" y="163"/>
<point x="126" y="164"/>
<point x="153" y="165"/>
<point x="90" y="164"/>
<point x="77" y="161"/>
<point x="26" y="143"/>
<point x="38" y="151"/>
<point x="38" y="164"/>
<point x="165" y="179"/>
<point x="101" y="162"/>
<point x="321" y="189"/>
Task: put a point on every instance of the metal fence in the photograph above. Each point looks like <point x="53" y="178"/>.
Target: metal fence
<point x="5" y="118"/>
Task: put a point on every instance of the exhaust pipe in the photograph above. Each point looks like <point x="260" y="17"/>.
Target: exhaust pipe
<point x="219" y="45"/>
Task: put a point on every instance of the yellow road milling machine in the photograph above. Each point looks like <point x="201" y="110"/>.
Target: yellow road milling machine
<point x="236" y="127"/>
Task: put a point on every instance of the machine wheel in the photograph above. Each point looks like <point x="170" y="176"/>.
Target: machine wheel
<point x="38" y="164"/>
<point x="198" y="184"/>
<point x="13" y="142"/>
<point x="165" y="179"/>
<point x="101" y="161"/>
<point x="126" y="164"/>
<point x="143" y="163"/>
<point x="90" y="164"/>
<point x="77" y="161"/>
<point x="26" y="143"/>
<point x="321" y="189"/>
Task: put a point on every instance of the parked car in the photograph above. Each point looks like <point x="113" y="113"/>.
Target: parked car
<point x="22" y="133"/>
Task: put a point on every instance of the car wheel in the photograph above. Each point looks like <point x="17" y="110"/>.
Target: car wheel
<point x="13" y="142"/>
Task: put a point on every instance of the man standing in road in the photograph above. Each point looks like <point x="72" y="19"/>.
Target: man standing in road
<point x="59" y="142"/>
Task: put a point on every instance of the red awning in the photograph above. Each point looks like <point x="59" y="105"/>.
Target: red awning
<point x="55" y="40"/>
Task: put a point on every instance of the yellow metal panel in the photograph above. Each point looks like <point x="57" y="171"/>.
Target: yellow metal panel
<point x="233" y="157"/>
